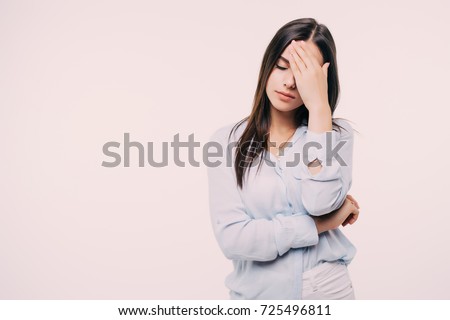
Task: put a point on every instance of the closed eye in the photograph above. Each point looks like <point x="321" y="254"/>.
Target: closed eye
<point x="279" y="67"/>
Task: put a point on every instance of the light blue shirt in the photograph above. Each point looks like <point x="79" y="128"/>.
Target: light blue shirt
<point x="266" y="228"/>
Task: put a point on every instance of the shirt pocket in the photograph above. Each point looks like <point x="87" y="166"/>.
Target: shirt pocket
<point x="296" y="172"/>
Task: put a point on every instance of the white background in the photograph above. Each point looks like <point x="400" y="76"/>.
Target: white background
<point x="77" y="74"/>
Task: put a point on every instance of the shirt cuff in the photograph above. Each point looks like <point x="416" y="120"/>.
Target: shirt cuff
<point x="295" y="231"/>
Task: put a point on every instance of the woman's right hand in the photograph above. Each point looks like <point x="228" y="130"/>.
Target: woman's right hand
<point x="347" y="213"/>
<point x="353" y="216"/>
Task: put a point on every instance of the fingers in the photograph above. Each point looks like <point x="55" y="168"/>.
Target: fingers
<point x="353" y="200"/>
<point x="350" y="220"/>
<point x="301" y="50"/>
<point x="352" y="217"/>
<point x="346" y="220"/>
<point x="295" y="62"/>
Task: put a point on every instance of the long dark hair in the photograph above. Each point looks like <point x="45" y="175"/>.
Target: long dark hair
<point x="253" y="140"/>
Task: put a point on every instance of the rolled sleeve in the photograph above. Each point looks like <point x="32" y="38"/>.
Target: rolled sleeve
<point x="326" y="190"/>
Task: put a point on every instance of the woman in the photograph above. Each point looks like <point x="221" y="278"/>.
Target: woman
<point x="278" y="223"/>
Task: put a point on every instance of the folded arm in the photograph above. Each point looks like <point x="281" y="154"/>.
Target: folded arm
<point x="241" y="236"/>
<point x="324" y="188"/>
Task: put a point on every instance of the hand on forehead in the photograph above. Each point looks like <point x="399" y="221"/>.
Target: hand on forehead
<point x="311" y="49"/>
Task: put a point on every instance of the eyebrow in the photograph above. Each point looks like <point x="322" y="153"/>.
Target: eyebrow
<point x="284" y="59"/>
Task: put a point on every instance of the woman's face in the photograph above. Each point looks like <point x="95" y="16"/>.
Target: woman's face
<point x="281" y="81"/>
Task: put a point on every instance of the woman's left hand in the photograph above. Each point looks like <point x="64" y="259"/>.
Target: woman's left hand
<point x="310" y="77"/>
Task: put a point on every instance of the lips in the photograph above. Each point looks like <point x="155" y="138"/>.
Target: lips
<point x="286" y="94"/>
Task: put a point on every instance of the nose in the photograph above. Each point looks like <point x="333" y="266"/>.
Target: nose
<point x="289" y="81"/>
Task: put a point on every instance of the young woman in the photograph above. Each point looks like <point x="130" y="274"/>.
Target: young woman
<point x="278" y="192"/>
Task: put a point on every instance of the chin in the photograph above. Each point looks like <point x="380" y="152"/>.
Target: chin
<point x="285" y="108"/>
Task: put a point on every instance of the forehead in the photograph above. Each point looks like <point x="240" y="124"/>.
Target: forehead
<point x="311" y="48"/>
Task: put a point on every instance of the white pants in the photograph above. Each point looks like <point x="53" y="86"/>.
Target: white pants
<point x="328" y="281"/>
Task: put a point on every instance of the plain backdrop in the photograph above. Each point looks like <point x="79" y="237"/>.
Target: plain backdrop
<point x="75" y="75"/>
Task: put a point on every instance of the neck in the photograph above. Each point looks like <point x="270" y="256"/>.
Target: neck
<point x="282" y="122"/>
